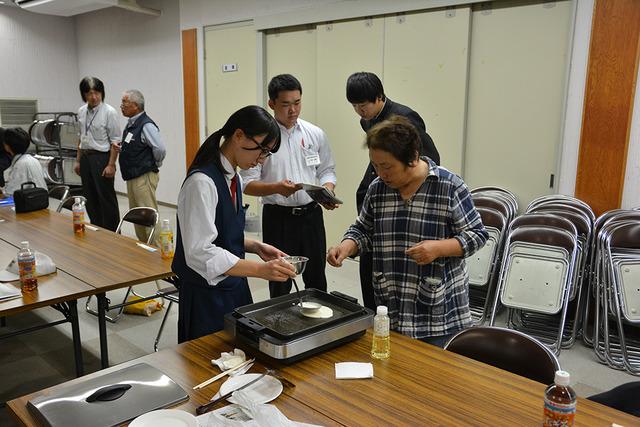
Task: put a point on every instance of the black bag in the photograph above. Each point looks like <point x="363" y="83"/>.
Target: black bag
<point x="30" y="199"/>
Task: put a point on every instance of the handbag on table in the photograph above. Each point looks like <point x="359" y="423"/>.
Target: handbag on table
<point x="30" y="198"/>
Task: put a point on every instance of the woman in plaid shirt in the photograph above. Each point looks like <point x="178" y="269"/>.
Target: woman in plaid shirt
<point x="420" y="222"/>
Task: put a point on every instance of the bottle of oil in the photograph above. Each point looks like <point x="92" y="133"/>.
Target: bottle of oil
<point x="166" y="240"/>
<point x="27" y="268"/>
<point x="381" y="345"/>
<point x="78" y="217"/>
<point x="559" y="402"/>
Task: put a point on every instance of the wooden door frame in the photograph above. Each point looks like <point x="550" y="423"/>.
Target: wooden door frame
<point x="190" y="90"/>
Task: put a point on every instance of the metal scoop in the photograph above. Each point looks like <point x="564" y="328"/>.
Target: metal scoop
<point x="299" y="263"/>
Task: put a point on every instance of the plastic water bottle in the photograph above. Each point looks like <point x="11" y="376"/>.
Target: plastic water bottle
<point x="78" y="217"/>
<point x="381" y="345"/>
<point x="27" y="268"/>
<point x="559" y="402"/>
<point x="166" y="240"/>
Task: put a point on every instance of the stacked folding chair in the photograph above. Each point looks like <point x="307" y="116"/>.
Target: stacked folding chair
<point x="538" y="277"/>
<point x="614" y="312"/>
<point x="497" y="207"/>
<point x="583" y="218"/>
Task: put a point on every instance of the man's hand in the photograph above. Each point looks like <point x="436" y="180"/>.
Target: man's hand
<point x="287" y="188"/>
<point x="339" y="253"/>
<point x="117" y="147"/>
<point x="76" y="168"/>
<point x="109" y="171"/>
<point x="424" y="252"/>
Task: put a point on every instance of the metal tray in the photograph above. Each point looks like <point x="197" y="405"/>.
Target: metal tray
<point x="281" y="317"/>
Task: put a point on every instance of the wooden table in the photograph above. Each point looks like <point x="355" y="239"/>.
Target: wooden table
<point x="101" y="259"/>
<point x="59" y="290"/>
<point x="419" y="385"/>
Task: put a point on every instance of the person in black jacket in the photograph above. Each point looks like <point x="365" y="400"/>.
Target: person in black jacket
<point x="366" y="93"/>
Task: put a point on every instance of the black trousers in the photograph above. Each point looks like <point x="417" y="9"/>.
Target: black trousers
<point x="366" y="281"/>
<point x="102" y="203"/>
<point x="297" y="231"/>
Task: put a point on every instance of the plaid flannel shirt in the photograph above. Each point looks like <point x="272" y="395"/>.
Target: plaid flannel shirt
<point x="423" y="300"/>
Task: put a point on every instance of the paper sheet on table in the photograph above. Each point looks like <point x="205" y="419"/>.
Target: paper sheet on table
<point x="247" y="414"/>
<point x="353" y="370"/>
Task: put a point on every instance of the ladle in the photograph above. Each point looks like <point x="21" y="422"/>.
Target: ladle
<point x="299" y="263"/>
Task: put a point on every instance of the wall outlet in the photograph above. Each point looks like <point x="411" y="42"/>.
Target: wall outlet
<point x="227" y="68"/>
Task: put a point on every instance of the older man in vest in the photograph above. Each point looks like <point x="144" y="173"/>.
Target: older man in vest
<point x="141" y="154"/>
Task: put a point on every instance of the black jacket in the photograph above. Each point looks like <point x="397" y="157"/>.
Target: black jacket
<point x="428" y="148"/>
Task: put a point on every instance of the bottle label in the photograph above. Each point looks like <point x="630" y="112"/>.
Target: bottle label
<point x="558" y="414"/>
<point x="27" y="268"/>
<point x="166" y="244"/>
<point x="78" y="217"/>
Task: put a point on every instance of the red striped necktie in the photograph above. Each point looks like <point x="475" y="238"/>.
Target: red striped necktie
<point x="233" y="188"/>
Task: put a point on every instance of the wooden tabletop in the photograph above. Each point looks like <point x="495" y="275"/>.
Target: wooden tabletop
<point x="102" y="259"/>
<point x="419" y="385"/>
<point x="52" y="289"/>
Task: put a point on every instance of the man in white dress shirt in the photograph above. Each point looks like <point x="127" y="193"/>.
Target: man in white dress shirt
<point x="291" y="220"/>
<point x="100" y="134"/>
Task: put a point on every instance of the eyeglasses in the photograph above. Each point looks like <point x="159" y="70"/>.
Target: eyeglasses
<point x="264" y="151"/>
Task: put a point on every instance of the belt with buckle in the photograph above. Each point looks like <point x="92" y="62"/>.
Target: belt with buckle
<point x="295" y="210"/>
<point x="87" y="152"/>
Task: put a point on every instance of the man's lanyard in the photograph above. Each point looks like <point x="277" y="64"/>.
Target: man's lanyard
<point x="86" y="128"/>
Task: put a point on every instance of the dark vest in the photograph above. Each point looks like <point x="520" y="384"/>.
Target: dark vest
<point x="203" y="307"/>
<point x="230" y="226"/>
<point x="136" y="158"/>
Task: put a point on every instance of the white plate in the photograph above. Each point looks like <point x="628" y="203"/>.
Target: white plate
<point x="263" y="391"/>
<point x="165" y="418"/>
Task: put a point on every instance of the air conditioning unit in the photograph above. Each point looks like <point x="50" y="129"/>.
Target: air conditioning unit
<point x="76" y="7"/>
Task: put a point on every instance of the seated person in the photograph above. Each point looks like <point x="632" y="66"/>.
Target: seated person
<point x="5" y="158"/>
<point x="24" y="167"/>
<point x="419" y="222"/>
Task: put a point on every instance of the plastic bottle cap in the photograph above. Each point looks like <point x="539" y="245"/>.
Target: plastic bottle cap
<point x="77" y="200"/>
<point x="165" y="222"/>
<point x="24" y="244"/>
<point x="382" y="310"/>
<point x="562" y="378"/>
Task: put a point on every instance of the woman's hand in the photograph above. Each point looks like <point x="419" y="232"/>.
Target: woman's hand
<point x="277" y="270"/>
<point x="268" y="252"/>
<point x="339" y="253"/>
<point x="424" y="252"/>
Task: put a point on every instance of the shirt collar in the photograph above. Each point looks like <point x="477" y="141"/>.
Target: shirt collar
<point x="227" y="167"/>
<point x="94" y="109"/>
<point x="433" y="168"/>
<point x="289" y="131"/>
<point x="382" y="109"/>
<point x="133" y="119"/>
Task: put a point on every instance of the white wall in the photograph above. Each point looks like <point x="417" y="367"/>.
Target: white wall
<point x="128" y="50"/>
<point x="39" y="59"/>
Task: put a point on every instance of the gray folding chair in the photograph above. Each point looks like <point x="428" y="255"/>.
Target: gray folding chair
<point x="143" y="216"/>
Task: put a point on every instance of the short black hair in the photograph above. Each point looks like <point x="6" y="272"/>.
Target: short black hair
<point x="1" y="136"/>
<point x="398" y="137"/>
<point x="281" y="83"/>
<point x="91" y="83"/>
<point x="364" y="87"/>
<point x="17" y="139"/>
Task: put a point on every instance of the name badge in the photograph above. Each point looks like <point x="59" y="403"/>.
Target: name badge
<point x="312" y="159"/>
<point x="128" y="138"/>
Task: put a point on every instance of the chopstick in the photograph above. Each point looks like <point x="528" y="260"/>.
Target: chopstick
<point x="222" y="374"/>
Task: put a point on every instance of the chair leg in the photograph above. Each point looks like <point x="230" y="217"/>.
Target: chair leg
<point x="164" y="320"/>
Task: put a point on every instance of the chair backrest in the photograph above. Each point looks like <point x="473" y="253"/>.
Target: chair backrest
<point x="146" y="217"/>
<point x="59" y="192"/>
<point x="67" y="202"/>
<point x="507" y="349"/>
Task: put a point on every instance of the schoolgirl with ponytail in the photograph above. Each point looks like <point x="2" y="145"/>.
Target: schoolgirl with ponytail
<point x="210" y="246"/>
